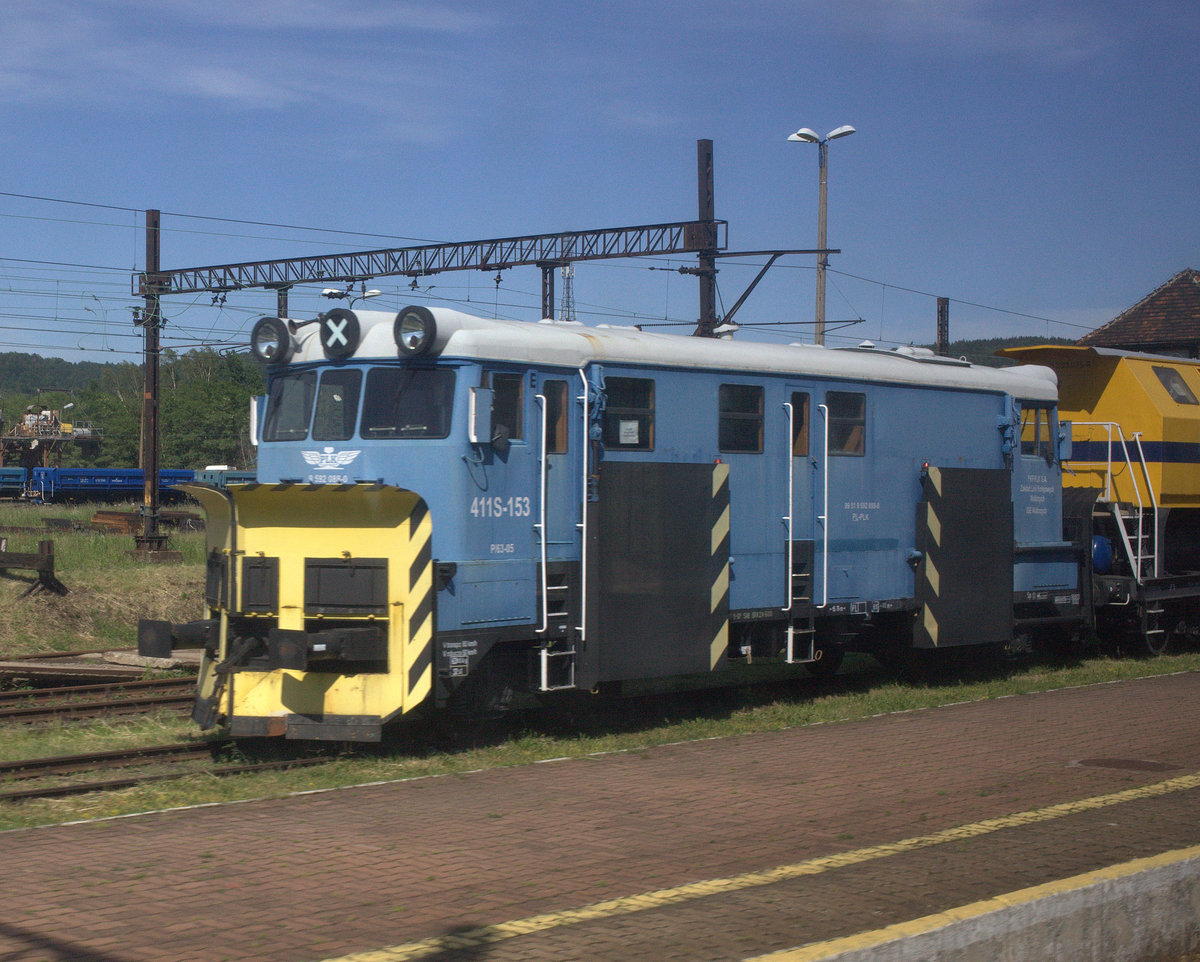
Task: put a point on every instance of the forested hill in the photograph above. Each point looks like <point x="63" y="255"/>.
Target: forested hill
<point x="984" y="351"/>
<point x="30" y="373"/>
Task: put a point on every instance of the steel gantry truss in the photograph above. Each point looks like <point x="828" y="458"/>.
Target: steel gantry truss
<point x="547" y="251"/>
<point x="704" y="237"/>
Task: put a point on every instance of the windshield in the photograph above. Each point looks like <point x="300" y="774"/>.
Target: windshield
<point x="337" y="406"/>
<point x="396" y="403"/>
<point x="289" y="407"/>
<point x="407" y="403"/>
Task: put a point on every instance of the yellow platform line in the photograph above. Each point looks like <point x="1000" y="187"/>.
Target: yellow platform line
<point x="864" y="941"/>
<point x="490" y="934"/>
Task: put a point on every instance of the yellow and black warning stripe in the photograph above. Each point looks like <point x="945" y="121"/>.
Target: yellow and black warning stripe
<point x="719" y="564"/>
<point x="933" y="580"/>
<point x="418" y="655"/>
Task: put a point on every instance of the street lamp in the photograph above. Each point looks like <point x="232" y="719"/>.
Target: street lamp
<point x="806" y="136"/>
<point x="348" y="294"/>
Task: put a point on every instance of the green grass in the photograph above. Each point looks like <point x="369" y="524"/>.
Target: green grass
<point x="88" y="549"/>
<point x="109" y="589"/>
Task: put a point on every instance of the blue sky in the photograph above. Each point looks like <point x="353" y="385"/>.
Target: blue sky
<point x="1037" y="163"/>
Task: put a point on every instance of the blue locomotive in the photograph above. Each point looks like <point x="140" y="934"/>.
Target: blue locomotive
<point x="451" y="510"/>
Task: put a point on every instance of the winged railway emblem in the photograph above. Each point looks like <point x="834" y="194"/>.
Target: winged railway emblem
<point x="329" y="459"/>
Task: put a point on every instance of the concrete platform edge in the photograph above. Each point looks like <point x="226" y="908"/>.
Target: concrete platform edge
<point x="1140" y="910"/>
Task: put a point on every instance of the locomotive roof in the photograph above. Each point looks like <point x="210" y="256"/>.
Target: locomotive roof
<point x="573" y="345"/>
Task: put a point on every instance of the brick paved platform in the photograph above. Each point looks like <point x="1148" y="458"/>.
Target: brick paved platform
<point x="722" y="849"/>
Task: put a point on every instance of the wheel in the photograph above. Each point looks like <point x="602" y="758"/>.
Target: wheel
<point x="1065" y="642"/>
<point x="1155" y="637"/>
<point x="1145" y="635"/>
<point x="828" y="661"/>
<point x="1157" y="642"/>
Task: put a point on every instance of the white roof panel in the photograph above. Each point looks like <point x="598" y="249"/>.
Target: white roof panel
<point x="555" y="344"/>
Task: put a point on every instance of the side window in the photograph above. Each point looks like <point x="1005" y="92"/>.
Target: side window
<point x="289" y="407"/>
<point x="799" y="424"/>
<point x="629" y="413"/>
<point x="1173" y="381"/>
<point x="555" y="393"/>
<point x="506" y="402"/>
<point x="337" y="406"/>
<point x="741" y="418"/>
<point x="847" y="423"/>
<point x="1036" y="438"/>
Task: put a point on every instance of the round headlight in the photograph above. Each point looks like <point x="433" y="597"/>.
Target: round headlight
<point x="339" y="332"/>
<point x="271" y="341"/>
<point x="415" y="330"/>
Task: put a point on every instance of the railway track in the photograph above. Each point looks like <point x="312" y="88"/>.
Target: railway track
<point x="58" y="776"/>
<point x="92" y="701"/>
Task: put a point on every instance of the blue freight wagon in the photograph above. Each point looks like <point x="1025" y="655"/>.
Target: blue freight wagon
<point x="97" y="484"/>
<point x="12" y="482"/>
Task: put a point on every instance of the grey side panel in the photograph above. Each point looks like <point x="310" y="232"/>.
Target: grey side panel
<point x="964" y="580"/>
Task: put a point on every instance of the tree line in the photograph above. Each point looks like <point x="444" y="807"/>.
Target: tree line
<point x="983" y="351"/>
<point x="204" y="406"/>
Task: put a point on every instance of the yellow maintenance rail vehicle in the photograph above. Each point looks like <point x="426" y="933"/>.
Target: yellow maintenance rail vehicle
<point x="1134" y="477"/>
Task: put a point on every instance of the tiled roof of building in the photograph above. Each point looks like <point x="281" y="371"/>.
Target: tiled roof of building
<point x="1168" y="318"/>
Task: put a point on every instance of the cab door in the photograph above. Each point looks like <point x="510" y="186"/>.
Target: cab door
<point x="799" y="516"/>
<point x="559" y="431"/>
<point x="557" y="435"/>
<point x="497" y="574"/>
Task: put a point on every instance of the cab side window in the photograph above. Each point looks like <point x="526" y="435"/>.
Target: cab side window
<point x="629" y="413"/>
<point x="799" y="424"/>
<point x="1175" y="385"/>
<point x="847" y="423"/>
<point x="741" y="418"/>
<point x="506" y="402"/>
<point x="555" y="393"/>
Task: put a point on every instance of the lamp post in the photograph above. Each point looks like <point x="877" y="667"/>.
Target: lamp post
<point x="806" y="136"/>
<point x="348" y="294"/>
